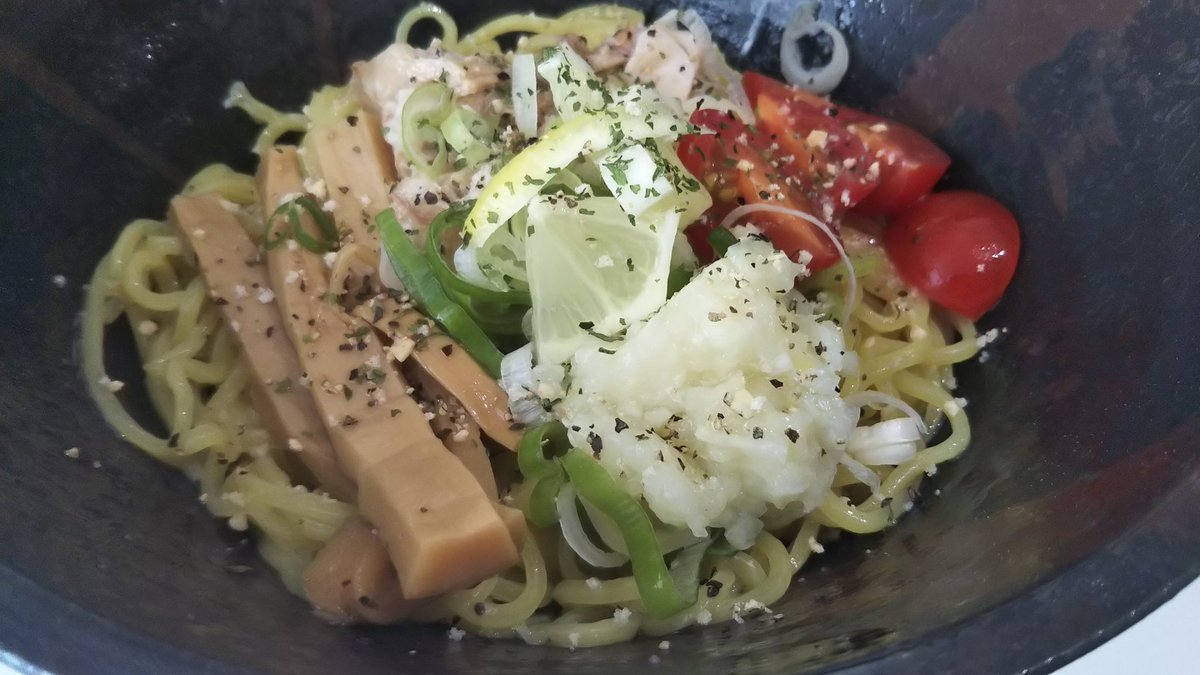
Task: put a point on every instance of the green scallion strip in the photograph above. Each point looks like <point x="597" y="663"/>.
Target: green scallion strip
<point x="721" y="548"/>
<point x="542" y="509"/>
<point x="450" y="280"/>
<point x="686" y="565"/>
<point x="290" y="212"/>
<point x="415" y="272"/>
<point x="685" y="568"/>
<point x="546" y="473"/>
<point x="531" y="452"/>
<point x="660" y="595"/>
<point x="501" y="322"/>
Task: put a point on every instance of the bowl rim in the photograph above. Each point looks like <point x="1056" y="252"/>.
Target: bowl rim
<point x="1153" y="559"/>
<point x="1044" y="627"/>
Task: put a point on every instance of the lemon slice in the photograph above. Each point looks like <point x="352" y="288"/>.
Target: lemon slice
<point x="592" y="269"/>
<point x="519" y="181"/>
<point x="586" y="135"/>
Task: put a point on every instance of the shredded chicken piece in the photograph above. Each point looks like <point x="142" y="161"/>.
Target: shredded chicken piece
<point x="384" y="82"/>
<point x="612" y="53"/>
<point x="666" y="55"/>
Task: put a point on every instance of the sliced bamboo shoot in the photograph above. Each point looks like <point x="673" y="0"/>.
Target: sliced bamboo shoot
<point x="448" y="363"/>
<point x="441" y="531"/>
<point x="352" y="579"/>
<point x="441" y="537"/>
<point x="357" y="167"/>
<point x="237" y="280"/>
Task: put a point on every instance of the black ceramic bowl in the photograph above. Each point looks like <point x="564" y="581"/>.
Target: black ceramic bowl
<point x="1075" y="512"/>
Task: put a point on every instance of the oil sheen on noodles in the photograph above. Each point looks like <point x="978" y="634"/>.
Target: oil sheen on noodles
<point x="199" y="389"/>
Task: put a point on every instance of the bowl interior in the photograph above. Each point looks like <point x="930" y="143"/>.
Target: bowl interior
<point x="1074" y="511"/>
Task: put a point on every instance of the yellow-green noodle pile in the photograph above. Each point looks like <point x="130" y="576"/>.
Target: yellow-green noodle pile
<point x="198" y="386"/>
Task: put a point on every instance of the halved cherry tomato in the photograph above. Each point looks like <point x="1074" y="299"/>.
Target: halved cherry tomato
<point x="757" y="84"/>
<point x="737" y="167"/>
<point x="705" y="157"/>
<point x="908" y="163"/>
<point x="790" y="234"/>
<point x="958" y="248"/>
<point x="697" y="233"/>
<point x="828" y="161"/>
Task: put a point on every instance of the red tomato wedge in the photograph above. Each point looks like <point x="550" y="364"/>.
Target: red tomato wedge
<point x="697" y="233"/>
<point x="828" y="161"/>
<point x="958" y="248"/>
<point x="909" y="165"/>
<point x="737" y="167"/>
<point x="757" y="84"/>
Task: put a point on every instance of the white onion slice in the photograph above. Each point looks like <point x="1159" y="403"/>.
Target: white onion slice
<point x="864" y="398"/>
<point x="387" y="273"/>
<point x="524" y="90"/>
<point x="516" y="368"/>
<point x="605" y="528"/>
<point x="851" y="278"/>
<point x="887" y="432"/>
<point x="468" y="267"/>
<point x="862" y="473"/>
<point x="670" y="539"/>
<point x="888" y="455"/>
<point x="528" y="411"/>
<point x="577" y="538"/>
<point x="519" y="383"/>
<point x="821" y="80"/>
<point x="889" y="442"/>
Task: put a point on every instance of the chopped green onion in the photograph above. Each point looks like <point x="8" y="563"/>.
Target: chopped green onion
<point x="294" y="229"/>
<point x="500" y="322"/>
<point x="531" y="453"/>
<point x="865" y="264"/>
<point x="546" y="473"/>
<point x="426" y="108"/>
<point x="678" y="278"/>
<point x="685" y="569"/>
<point x="721" y="548"/>
<point x="469" y="135"/>
<point x="542" y="509"/>
<point x="415" y="272"/>
<point x="658" y="590"/>
<point x="685" y="566"/>
<point x="451" y="280"/>
<point x="720" y="240"/>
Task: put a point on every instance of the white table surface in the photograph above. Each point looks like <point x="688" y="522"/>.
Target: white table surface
<point x="1163" y="643"/>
